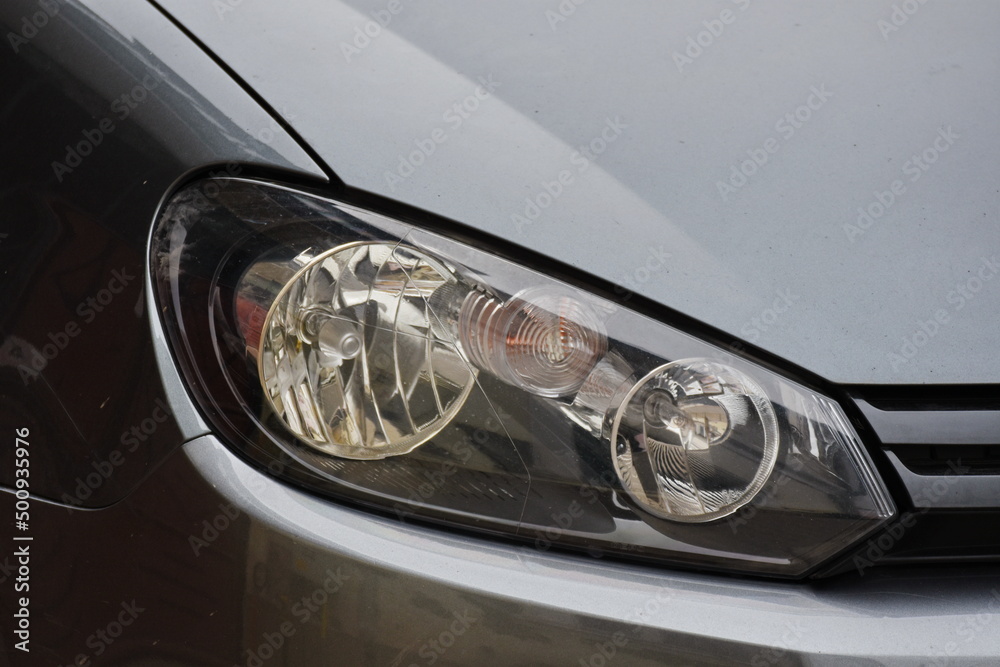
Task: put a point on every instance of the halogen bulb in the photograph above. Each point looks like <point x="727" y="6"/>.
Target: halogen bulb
<point x="543" y="340"/>
<point x="694" y="441"/>
<point x="337" y="339"/>
<point x="352" y="356"/>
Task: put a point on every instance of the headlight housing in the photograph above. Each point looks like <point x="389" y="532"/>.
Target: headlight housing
<point x="378" y="362"/>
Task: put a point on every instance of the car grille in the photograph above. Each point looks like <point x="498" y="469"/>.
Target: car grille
<point x="941" y="447"/>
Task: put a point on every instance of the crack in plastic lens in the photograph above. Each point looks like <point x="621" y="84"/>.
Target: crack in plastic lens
<point x="350" y="358"/>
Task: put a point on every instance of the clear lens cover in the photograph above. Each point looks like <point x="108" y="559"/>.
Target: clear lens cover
<point x="694" y="440"/>
<point x="350" y="356"/>
<point x="382" y="363"/>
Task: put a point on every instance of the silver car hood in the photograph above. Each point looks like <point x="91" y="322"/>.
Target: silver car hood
<point x="817" y="178"/>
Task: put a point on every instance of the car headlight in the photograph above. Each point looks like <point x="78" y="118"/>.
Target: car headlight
<point x="379" y="362"/>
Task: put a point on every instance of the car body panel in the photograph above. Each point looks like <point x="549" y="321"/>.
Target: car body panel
<point x="228" y="559"/>
<point x="77" y="360"/>
<point x="782" y="261"/>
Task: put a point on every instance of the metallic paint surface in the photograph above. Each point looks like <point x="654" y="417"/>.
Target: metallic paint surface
<point x="392" y="588"/>
<point x="76" y="236"/>
<point x="776" y="249"/>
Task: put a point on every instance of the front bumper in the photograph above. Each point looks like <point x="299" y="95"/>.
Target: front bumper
<point x="231" y="567"/>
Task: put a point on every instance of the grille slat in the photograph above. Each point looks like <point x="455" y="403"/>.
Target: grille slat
<point x="933" y="427"/>
<point x="944" y="444"/>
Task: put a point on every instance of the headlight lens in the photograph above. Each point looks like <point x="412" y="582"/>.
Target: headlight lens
<point x="375" y="361"/>
<point x="694" y="440"/>
<point x="351" y="356"/>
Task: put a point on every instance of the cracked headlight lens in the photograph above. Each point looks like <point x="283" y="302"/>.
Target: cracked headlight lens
<point x="380" y="363"/>
<point x="351" y="356"/>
